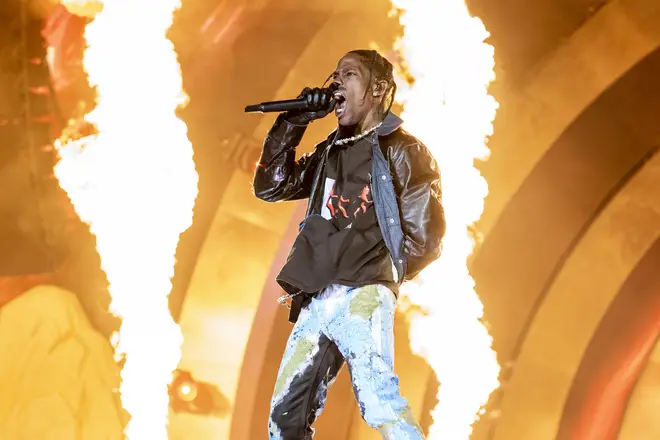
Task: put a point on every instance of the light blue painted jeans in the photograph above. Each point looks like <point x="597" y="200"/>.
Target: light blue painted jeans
<point x="342" y="323"/>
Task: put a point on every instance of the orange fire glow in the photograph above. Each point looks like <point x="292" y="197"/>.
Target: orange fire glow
<point x="134" y="182"/>
<point x="449" y="109"/>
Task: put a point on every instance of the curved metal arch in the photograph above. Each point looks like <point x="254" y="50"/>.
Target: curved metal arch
<point x="641" y="412"/>
<point x="557" y="339"/>
<point x="558" y="202"/>
<point x="616" y="357"/>
<point x="607" y="46"/>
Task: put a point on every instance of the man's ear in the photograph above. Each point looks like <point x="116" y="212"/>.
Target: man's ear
<point x="380" y="87"/>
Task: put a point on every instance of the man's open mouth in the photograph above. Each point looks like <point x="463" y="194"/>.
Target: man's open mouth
<point x="340" y="106"/>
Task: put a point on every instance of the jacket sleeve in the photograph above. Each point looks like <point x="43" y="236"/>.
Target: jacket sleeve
<point x="279" y="176"/>
<point x="417" y="181"/>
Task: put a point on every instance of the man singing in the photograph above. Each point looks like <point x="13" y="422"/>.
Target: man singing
<point x="374" y="219"/>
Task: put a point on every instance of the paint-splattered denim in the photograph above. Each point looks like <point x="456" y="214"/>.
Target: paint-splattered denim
<point x="355" y="324"/>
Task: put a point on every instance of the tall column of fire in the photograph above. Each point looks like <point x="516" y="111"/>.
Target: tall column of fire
<point x="135" y="183"/>
<point x="447" y="106"/>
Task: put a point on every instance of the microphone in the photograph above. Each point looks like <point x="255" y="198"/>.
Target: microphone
<point x="283" y="105"/>
<point x="277" y="106"/>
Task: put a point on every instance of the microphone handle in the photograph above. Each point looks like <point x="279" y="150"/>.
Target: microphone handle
<point x="277" y="106"/>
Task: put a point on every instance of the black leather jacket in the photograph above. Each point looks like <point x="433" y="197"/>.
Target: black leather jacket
<point x="405" y="186"/>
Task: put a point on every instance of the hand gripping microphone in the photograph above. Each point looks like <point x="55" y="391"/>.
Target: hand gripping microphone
<point x="284" y="105"/>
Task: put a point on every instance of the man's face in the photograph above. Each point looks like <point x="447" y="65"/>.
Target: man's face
<point x="352" y="79"/>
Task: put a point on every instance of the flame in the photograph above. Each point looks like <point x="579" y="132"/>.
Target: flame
<point x="448" y="107"/>
<point x="83" y="8"/>
<point x="134" y="182"/>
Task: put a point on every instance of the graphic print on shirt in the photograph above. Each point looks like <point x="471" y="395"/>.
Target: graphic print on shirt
<point x="346" y="203"/>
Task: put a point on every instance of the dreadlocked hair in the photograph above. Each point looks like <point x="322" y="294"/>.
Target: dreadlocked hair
<point x="379" y="69"/>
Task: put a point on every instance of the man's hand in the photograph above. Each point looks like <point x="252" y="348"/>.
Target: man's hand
<point x="320" y="101"/>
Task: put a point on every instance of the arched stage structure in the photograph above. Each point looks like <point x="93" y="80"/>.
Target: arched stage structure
<point x="568" y="269"/>
<point x="570" y="226"/>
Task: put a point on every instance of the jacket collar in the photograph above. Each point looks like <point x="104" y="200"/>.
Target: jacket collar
<point x="391" y="123"/>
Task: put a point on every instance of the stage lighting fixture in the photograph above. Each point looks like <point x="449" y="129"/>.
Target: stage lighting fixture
<point x="188" y="395"/>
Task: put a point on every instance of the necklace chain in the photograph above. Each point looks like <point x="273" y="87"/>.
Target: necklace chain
<point x="358" y="136"/>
